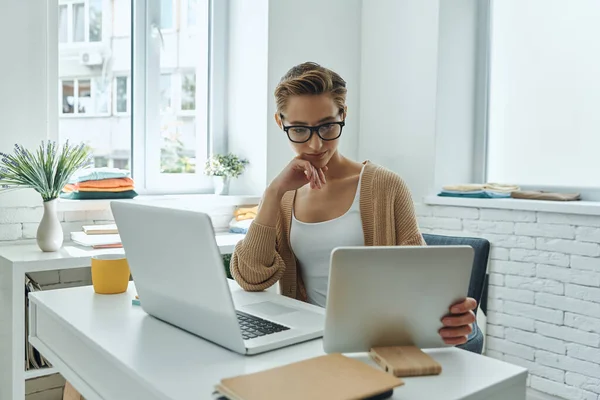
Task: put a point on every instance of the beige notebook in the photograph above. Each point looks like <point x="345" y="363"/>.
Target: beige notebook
<point x="330" y="377"/>
<point x="100" y="229"/>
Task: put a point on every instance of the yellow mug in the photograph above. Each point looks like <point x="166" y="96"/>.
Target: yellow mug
<point x="110" y="273"/>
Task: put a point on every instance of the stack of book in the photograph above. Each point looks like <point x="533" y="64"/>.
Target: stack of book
<point x="98" y="236"/>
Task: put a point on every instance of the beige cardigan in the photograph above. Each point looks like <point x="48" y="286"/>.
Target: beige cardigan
<point x="265" y="256"/>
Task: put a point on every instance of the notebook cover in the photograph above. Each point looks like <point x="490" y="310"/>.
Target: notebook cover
<point x="329" y="377"/>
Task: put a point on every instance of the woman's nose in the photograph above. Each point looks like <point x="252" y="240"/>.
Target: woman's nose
<point x="315" y="142"/>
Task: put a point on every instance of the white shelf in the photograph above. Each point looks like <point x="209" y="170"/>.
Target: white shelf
<point x="566" y="207"/>
<point x="27" y="257"/>
<point x="38" y="373"/>
<point x="197" y="200"/>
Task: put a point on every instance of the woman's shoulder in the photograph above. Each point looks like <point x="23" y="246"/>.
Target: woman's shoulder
<point x="383" y="178"/>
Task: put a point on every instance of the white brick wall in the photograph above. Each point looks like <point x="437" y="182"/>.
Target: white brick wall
<point x="564" y="391"/>
<point x="535" y="284"/>
<point x="544" y="294"/>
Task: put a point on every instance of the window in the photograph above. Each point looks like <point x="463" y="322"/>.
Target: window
<point x="188" y="92"/>
<point x="165" y="93"/>
<point x="166" y="14"/>
<point x="80" y="21"/>
<point x="63" y="29"/>
<point x="100" y="162"/>
<point x="139" y="99"/>
<point x="122" y="97"/>
<point x="85" y="97"/>
<point x="95" y="20"/>
<point x="190" y="13"/>
<point x="544" y="91"/>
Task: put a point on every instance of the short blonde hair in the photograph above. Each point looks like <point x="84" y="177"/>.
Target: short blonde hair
<point x="310" y="78"/>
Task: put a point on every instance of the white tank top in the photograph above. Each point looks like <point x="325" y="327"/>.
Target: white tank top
<point x="312" y="244"/>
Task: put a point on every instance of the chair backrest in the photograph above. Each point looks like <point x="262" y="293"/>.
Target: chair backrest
<point x="478" y="284"/>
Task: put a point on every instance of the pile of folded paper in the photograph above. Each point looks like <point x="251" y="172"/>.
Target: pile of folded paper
<point x="99" y="184"/>
<point x="242" y="218"/>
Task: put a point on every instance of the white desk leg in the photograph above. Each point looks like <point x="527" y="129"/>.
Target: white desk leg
<point x="18" y="335"/>
<point x="5" y="330"/>
<point x="12" y="332"/>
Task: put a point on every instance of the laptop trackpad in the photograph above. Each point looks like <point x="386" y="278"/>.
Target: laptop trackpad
<point x="269" y="308"/>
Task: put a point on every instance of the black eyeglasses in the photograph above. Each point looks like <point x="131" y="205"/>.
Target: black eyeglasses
<point x="302" y="134"/>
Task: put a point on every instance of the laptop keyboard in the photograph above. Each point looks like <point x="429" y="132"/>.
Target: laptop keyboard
<point x="253" y="327"/>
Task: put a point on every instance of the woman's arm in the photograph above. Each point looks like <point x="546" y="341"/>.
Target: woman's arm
<point x="256" y="264"/>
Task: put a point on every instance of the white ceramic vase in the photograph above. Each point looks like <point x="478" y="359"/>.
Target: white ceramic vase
<point x="50" y="234"/>
<point x="221" y="185"/>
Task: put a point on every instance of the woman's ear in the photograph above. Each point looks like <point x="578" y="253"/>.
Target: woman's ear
<point x="344" y="113"/>
<point x="278" y="120"/>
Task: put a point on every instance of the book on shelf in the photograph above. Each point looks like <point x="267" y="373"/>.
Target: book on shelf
<point x="106" y="229"/>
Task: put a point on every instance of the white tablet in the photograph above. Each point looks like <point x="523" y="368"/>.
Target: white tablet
<point x="393" y="296"/>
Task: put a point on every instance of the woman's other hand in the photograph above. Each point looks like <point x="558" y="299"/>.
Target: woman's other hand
<point x="457" y="324"/>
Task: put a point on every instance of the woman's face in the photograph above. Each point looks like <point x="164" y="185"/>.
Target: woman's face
<point x="312" y="111"/>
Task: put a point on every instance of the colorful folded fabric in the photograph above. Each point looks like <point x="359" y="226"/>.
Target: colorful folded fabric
<point x="236" y="226"/>
<point x="129" y="194"/>
<point x="96" y="174"/>
<point x="475" y="187"/>
<point x="107" y="190"/>
<point x="541" y="195"/>
<point x="467" y="187"/>
<point x="107" y="183"/>
<point x="481" y="194"/>
<point x="69" y="188"/>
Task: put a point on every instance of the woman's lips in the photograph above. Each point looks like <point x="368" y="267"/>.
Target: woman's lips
<point x="316" y="156"/>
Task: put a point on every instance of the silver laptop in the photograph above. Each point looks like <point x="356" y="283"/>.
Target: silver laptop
<point x="180" y="278"/>
<point x="393" y="296"/>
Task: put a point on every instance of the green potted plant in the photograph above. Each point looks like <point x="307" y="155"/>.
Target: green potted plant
<point x="46" y="170"/>
<point x="222" y="168"/>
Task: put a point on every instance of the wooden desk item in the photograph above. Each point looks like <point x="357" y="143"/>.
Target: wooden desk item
<point x="402" y="361"/>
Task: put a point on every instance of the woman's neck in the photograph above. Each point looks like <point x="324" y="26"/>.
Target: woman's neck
<point x="340" y="167"/>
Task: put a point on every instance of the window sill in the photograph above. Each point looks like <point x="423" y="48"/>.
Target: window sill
<point x="571" y="207"/>
<point x="197" y="200"/>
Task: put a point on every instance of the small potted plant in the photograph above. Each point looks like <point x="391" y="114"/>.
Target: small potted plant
<point x="46" y="170"/>
<point x="222" y="168"/>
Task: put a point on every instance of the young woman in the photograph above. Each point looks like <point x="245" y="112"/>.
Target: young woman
<point x="322" y="200"/>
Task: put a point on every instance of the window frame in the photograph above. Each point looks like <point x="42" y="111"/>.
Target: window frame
<point x="145" y="163"/>
<point x="482" y="111"/>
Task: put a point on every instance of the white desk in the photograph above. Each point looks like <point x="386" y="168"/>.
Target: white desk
<point x="109" y="349"/>
<point x="15" y="261"/>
